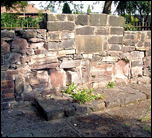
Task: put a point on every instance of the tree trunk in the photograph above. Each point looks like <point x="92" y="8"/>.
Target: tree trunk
<point x="107" y="7"/>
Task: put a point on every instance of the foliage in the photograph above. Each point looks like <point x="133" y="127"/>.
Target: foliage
<point x="130" y="22"/>
<point x="89" y="10"/>
<point x="132" y="7"/>
<point x="12" y="20"/>
<point x="125" y="59"/>
<point x="66" y="8"/>
<point x="110" y="85"/>
<point x="82" y="95"/>
<point x="14" y="4"/>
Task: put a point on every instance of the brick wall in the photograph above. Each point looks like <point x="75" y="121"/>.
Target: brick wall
<point x="89" y="50"/>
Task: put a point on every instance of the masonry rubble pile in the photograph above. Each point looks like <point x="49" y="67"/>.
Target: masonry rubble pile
<point x="89" y="50"/>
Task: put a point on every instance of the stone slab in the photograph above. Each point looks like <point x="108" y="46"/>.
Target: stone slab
<point x="88" y="44"/>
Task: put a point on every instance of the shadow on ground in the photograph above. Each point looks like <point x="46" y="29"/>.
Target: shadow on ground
<point x="120" y="122"/>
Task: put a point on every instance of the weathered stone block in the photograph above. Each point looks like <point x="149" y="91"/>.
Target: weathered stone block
<point x="19" y="45"/>
<point x="128" y="48"/>
<point x="40" y="51"/>
<point x="148" y="52"/>
<point x="129" y="36"/>
<point x="85" y="71"/>
<point x="73" y="77"/>
<point x="5" y="47"/>
<point x="7" y="34"/>
<point x="149" y="34"/>
<point x="58" y="78"/>
<point x="44" y="66"/>
<point x="81" y="20"/>
<point x="115" y="47"/>
<point x="121" y="70"/>
<point x="61" y="17"/>
<point x="66" y="52"/>
<point x="27" y="34"/>
<point x="100" y="30"/>
<point x="35" y="40"/>
<point x="137" y="55"/>
<point x="67" y="35"/>
<point x="52" y="46"/>
<point x="70" y="64"/>
<point x="19" y="84"/>
<point x="140" y="44"/>
<point x="101" y="72"/>
<point x="15" y="58"/>
<point x="85" y="31"/>
<point x="136" y="71"/>
<point x="128" y="42"/>
<point x="116" y="31"/>
<point x="37" y="45"/>
<point x="98" y="19"/>
<point x="136" y="63"/>
<point x="88" y="44"/>
<point x="109" y="59"/>
<point x="116" y="21"/>
<point x="60" y="26"/>
<point x="67" y="44"/>
<point x="51" y="17"/>
<point x="115" y="40"/>
<point x="147" y="44"/>
<point x="53" y="36"/>
<point x="70" y="17"/>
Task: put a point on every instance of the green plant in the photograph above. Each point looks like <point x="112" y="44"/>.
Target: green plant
<point x="110" y="85"/>
<point x="89" y="10"/>
<point x="66" y="8"/>
<point x="82" y="95"/>
<point x="70" y="88"/>
<point x="125" y="59"/>
<point x="148" y="129"/>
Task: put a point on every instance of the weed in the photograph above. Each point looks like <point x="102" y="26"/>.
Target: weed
<point x="127" y="124"/>
<point x="145" y="118"/>
<point x="70" y="88"/>
<point x="82" y="95"/>
<point x="110" y="85"/>
<point x="125" y="59"/>
<point x="148" y="129"/>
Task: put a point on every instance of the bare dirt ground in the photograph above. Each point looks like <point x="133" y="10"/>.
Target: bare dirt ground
<point x="128" y="121"/>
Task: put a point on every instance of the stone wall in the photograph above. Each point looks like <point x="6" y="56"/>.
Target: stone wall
<point x="89" y="50"/>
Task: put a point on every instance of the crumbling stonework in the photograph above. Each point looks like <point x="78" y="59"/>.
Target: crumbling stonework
<point x="89" y="50"/>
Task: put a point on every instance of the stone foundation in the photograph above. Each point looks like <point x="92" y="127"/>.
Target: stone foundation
<point x="89" y="50"/>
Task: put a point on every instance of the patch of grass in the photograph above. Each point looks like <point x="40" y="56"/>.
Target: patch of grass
<point x="147" y="128"/>
<point x="111" y="85"/>
<point x="82" y="95"/>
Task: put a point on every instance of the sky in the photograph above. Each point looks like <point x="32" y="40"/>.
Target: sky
<point x="97" y="8"/>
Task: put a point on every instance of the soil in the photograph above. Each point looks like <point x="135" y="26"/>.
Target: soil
<point x="128" y="121"/>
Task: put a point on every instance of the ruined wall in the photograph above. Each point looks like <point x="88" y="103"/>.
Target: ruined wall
<point x="89" y="50"/>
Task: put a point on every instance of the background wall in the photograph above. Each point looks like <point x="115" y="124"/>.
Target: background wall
<point x="89" y="50"/>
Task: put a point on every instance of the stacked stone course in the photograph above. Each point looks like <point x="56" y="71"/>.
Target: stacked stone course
<point x="89" y="50"/>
